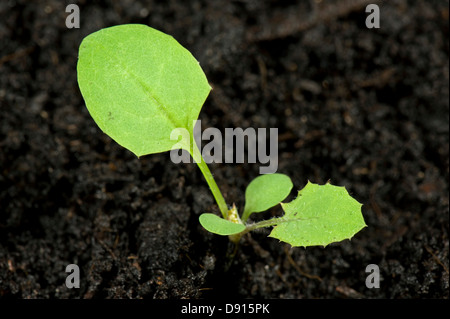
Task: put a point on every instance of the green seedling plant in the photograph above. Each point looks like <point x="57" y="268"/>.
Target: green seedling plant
<point x="140" y="84"/>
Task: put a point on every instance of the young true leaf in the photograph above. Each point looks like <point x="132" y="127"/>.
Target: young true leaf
<point x="220" y="226"/>
<point x="264" y="192"/>
<point x="320" y="215"/>
<point x="139" y="84"/>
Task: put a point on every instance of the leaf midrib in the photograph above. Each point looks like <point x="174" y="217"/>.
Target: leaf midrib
<point x="147" y="90"/>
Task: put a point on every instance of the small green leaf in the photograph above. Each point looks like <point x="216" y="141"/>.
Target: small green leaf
<point x="320" y="215"/>
<point x="140" y="84"/>
<point x="264" y="192"/>
<point x="220" y="226"/>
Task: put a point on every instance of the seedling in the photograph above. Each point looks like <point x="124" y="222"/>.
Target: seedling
<point x="140" y="85"/>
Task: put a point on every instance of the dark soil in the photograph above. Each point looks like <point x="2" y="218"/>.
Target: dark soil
<point x="365" y="108"/>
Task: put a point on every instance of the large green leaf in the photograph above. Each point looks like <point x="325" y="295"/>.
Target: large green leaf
<point x="139" y="84"/>
<point x="320" y="215"/>
<point x="264" y="192"/>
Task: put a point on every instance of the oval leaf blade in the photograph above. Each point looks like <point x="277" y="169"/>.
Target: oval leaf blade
<point x="266" y="191"/>
<point x="139" y="84"/>
<point x="320" y="215"/>
<point x="219" y="226"/>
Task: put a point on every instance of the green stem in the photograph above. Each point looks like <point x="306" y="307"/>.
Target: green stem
<point x="210" y="180"/>
<point x="245" y="216"/>
<point x="264" y="223"/>
<point x="267" y="223"/>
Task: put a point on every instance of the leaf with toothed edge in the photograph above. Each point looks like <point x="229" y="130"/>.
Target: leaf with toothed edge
<point x="320" y="215"/>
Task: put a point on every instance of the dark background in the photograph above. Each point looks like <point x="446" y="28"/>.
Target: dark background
<point x="365" y="108"/>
